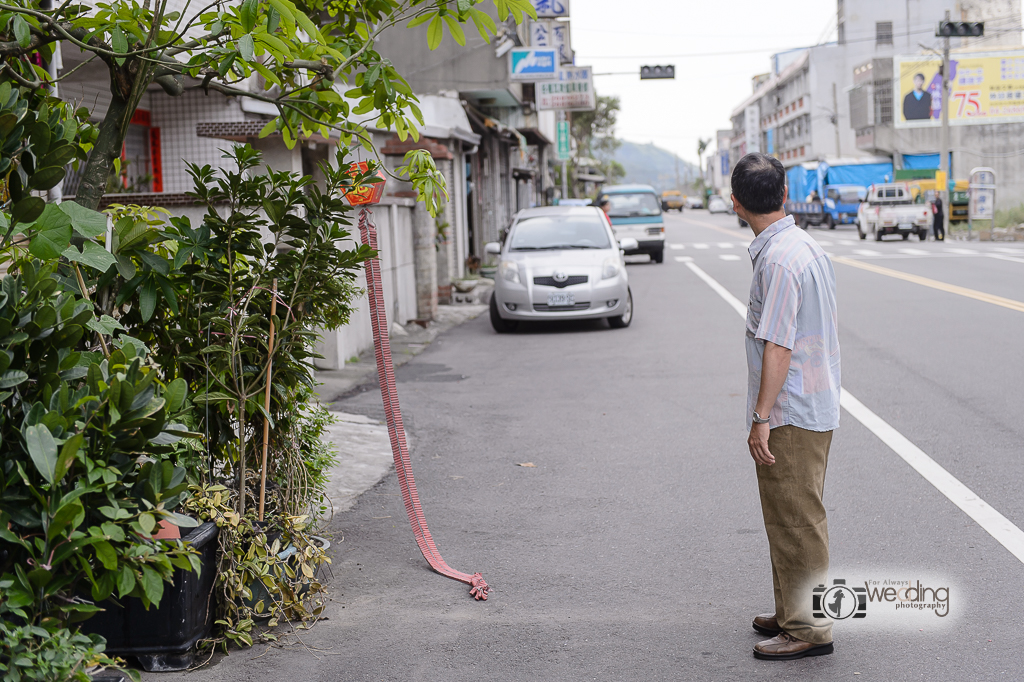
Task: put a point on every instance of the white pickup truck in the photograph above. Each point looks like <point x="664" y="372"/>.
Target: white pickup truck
<point x="890" y="209"/>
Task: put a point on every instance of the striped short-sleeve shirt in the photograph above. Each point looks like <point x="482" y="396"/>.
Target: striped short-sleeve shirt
<point x="793" y="304"/>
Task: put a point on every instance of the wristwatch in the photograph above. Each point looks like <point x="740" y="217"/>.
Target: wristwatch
<point x="758" y="420"/>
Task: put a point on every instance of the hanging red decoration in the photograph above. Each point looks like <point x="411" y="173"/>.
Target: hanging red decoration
<point x="369" y="193"/>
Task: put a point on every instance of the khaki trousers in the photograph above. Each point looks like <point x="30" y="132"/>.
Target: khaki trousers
<point x="794" y="518"/>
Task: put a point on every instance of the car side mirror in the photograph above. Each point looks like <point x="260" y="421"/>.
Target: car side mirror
<point x="492" y="248"/>
<point x="628" y="244"/>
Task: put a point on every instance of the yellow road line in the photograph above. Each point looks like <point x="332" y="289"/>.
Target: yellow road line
<point x="934" y="284"/>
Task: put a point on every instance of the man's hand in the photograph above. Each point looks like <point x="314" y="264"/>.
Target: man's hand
<point x="757" y="441"/>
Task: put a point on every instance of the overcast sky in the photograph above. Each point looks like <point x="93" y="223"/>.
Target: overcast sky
<point x="620" y="36"/>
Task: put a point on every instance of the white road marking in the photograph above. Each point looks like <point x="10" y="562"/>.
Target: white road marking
<point x="847" y="242"/>
<point x="684" y="259"/>
<point x="824" y="242"/>
<point x="700" y="246"/>
<point x="995" y="524"/>
<point x="914" y="252"/>
<point x="1010" y="258"/>
<point x="1003" y="249"/>
<point x="677" y="246"/>
<point x="725" y="245"/>
<point x="867" y="252"/>
<point x="965" y="252"/>
<point x="728" y="256"/>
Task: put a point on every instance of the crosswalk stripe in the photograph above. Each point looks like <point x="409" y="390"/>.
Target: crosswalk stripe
<point x="1003" y="249"/>
<point x="866" y="252"/>
<point x="824" y="242"/>
<point x="725" y="245"/>
<point x="700" y="246"/>
<point x="1009" y="258"/>
<point x="847" y="242"/>
<point x="935" y="284"/>
<point x="965" y="252"/>
<point x="677" y="246"/>
<point x="991" y="521"/>
<point x="684" y="259"/>
<point x="728" y="256"/>
<point x="914" y="252"/>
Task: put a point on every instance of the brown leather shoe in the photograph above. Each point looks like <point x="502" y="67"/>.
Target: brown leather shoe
<point x="785" y="647"/>
<point x="767" y="624"/>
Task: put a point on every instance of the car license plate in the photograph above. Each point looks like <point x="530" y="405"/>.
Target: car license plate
<point x="561" y="300"/>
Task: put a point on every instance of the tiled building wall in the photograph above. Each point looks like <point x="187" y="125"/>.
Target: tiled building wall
<point x="177" y="118"/>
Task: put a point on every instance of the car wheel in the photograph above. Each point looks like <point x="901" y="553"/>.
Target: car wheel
<point x="878" y="235"/>
<point x="923" y="235"/>
<point x="830" y="222"/>
<point x="658" y="256"/>
<point x="623" y="320"/>
<point x="860" y="232"/>
<point x="500" y="324"/>
<point x="906" y="236"/>
<point x="804" y="223"/>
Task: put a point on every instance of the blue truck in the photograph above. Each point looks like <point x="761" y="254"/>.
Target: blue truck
<point x="839" y="207"/>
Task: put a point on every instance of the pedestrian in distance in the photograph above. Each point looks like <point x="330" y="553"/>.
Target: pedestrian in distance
<point x="938" y="218"/>
<point x="605" y="205"/>
<point x="792" y="348"/>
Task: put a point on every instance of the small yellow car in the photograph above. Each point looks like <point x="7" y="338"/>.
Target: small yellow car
<point x="672" y="198"/>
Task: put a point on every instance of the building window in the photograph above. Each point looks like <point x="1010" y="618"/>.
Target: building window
<point x="883" y="33"/>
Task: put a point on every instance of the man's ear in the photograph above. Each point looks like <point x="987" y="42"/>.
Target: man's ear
<point x="785" y="197"/>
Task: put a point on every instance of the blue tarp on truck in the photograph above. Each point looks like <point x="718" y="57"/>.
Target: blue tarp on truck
<point x="812" y="176"/>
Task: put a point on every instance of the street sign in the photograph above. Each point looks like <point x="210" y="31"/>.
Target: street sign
<point x="563" y="141"/>
<point x="551" y="9"/>
<point x="533" y="64"/>
<point x="982" y="192"/>
<point x="572" y="91"/>
<point x="554" y="34"/>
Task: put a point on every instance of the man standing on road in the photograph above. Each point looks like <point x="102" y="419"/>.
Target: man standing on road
<point x="937" y="220"/>
<point x="792" y="403"/>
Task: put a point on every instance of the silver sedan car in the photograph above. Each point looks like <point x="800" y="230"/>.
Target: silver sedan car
<point x="560" y="263"/>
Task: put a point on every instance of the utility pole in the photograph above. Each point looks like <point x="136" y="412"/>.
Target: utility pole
<point x="835" y="114"/>
<point x="677" y="171"/>
<point x="944" y="158"/>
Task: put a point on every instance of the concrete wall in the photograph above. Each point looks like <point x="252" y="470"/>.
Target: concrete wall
<point x="393" y="218"/>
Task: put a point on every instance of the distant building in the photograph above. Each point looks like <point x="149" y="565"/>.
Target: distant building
<point x="801" y="111"/>
<point x="721" y="163"/>
<point x="889" y="118"/>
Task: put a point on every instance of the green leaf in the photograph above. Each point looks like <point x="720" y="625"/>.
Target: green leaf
<point x="125" y="581"/>
<point x="421" y="19"/>
<point x="248" y="15"/>
<point x="107" y="556"/>
<point x="455" y="29"/>
<point x="125" y="266"/>
<point x="59" y="157"/>
<point x="52" y="234"/>
<point x="148" y="523"/>
<point x="246" y="47"/>
<point x="464" y="5"/>
<point x="27" y="210"/>
<point x="45" y="178"/>
<point x="106" y="325"/>
<point x="71" y="514"/>
<point x="67" y="455"/>
<point x="174" y="394"/>
<point x="118" y="41"/>
<point x="93" y="255"/>
<point x="484" y="23"/>
<point x="21" y="31"/>
<point x="43" y="450"/>
<point x="86" y="222"/>
<point x="112" y="531"/>
<point x="12" y="377"/>
<point x="147" y="300"/>
<point x="435" y="32"/>
<point x="152" y="585"/>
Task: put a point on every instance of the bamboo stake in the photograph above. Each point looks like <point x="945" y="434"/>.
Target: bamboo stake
<point x="266" y="398"/>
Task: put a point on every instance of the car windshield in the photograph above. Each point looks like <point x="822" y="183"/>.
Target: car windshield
<point x="632" y="205"/>
<point x="548" y="233"/>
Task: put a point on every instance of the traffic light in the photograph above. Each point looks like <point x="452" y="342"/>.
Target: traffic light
<point x="960" y="29"/>
<point x="651" y="72"/>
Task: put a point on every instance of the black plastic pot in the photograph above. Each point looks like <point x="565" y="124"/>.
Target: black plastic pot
<point x="163" y="637"/>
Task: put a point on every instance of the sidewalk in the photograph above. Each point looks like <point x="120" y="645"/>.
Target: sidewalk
<point x="364" y="459"/>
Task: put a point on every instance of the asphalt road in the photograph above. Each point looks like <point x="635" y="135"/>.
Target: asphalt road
<point x="634" y="548"/>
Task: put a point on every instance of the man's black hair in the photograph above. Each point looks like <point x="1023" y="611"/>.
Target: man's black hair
<point x="759" y="183"/>
<point x="918" y="75"/>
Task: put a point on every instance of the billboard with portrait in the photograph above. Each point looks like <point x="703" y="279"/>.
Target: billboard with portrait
<point x="985" y="87"/>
